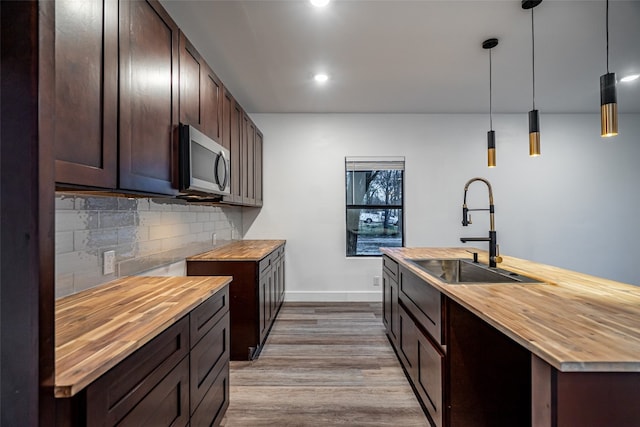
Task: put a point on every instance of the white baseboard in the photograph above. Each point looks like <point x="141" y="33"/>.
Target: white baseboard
<point x="353" y="296"/>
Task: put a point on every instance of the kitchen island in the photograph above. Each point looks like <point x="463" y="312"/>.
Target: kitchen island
<point x="143" y="351"/>
<point x="562" y="352"/>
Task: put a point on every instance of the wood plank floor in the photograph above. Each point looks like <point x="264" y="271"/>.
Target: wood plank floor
<point x="325" y="364"/>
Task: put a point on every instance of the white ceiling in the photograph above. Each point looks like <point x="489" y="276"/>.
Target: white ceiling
<point x="399" y="56"/>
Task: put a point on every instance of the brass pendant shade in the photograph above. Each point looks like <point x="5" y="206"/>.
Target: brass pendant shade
<point x="534" y="133"/>
<point x="608" y="105"/>
<point x="491" y="149"/>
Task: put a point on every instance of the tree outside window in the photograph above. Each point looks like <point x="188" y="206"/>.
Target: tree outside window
<point x="374" y="205"/>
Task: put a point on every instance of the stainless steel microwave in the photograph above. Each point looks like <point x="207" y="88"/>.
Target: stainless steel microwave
<point x="203" y="164"/>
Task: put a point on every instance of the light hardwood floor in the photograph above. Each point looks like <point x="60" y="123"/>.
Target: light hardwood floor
<point x="326" y="364"/>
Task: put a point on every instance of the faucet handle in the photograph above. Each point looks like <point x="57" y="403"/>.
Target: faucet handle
<point x="497" y="258"/>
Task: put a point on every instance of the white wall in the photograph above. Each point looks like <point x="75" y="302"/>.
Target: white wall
<point x="577" y="206"/>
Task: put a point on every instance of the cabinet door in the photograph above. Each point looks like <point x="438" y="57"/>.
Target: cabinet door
<point x="248" y="162"/>
<point x="258" y="167"/>
<point x="428" y="381"/>
<point x="86" y="92"/>
<point x="211" y="98"/>
<point x="408" y="343"/>
<point x="232" y="138"/>
<point x="148" y="97"/>
<point x="191" y="67"/>
<point x="263" y="307"/>
<point x="386" y="301"/>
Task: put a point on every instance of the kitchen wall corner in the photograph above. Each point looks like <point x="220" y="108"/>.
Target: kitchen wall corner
<point x="145" y="234"/>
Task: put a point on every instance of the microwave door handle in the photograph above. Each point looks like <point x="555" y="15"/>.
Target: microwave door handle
<point x="222" y="183"/>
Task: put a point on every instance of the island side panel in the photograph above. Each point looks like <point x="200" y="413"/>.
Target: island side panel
<point x="585" y="399"/>
<point x="243" y="301"/>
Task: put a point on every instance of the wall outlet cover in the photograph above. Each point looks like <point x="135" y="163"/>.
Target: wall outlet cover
<point x="376" y="280"/>
<point x="109" y="262"/>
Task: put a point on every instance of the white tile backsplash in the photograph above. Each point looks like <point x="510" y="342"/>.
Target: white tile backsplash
<point x="145" y="233"/>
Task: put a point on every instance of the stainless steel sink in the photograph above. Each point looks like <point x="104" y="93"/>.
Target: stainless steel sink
<point x="463" y="271"/>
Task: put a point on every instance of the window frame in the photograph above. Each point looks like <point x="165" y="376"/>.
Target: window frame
<point x="378" y="161"/>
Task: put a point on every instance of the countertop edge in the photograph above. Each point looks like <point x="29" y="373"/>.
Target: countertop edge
<point x="64" y="388"/>
<point x="560" y="365"/>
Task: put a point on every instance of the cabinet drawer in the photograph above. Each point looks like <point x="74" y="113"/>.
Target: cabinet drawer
<point x="390" y="266"/>
<point x="207" y="314"/>
<point x="117" y="392"/>
<point x="428" y="381"/>
<point x="407" y="342"/>
<point x="264" y="265"/>
<point x="167" y="403"/>
<point x="215" y="402"/>
<point x="423" y="301"/>
<point x="208" y="358"/>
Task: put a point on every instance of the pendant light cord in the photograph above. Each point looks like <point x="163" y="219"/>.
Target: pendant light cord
<point x="607" y="36"/>
<point x="533" y="60"/>
<point x="490" y="90"/>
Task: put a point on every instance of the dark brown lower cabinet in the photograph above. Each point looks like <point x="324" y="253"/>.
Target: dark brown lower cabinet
<point x="256" y="295"/>
<point x="179" y="378"/>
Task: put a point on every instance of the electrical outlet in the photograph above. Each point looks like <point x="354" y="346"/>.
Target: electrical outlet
<point x="376" y="280"/>
<point x="109" y="262"/>
<point x="214" y="238"/>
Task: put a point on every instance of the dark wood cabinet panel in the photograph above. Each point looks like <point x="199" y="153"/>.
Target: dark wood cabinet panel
<point x="148" y="97"/>
<point x="408" y="343"/>
<point x="423" y="301"/>
<point x="232" y="115"/>
<point x="214" y="404"/>
<point x="86" y="92"/>
<point x="191" y="68"/>
<point x="207" y="314"/>
<point x="200" y="92"/>
<point x="115" y="394"/>
<point x="253" y="295"/>
<point x="259" y="140"/>
<point x="207" y="360"/>
<point x="429" y="379"/>
<point x="248" y="160"/>
<point x="211" y="99"/>
<point x="166" y="405"/>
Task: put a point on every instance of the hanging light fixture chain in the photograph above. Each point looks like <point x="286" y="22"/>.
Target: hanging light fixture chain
<point x="607" y="26"/>
<point x="490" y="91"/>
<point x="533" y="59"/>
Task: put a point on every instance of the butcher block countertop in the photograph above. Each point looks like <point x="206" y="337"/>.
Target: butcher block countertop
<point x="573" y="321"/>
<point x="98" y="328"/>
<point x="244" y="250"/>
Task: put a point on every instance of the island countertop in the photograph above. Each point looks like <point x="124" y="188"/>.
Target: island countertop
<point x="98" y="328"/>
<point x="573" y="321"/>
<point x="243" y="250"/>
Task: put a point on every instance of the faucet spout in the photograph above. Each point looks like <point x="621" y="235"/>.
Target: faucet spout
<point x="494" y="258"/>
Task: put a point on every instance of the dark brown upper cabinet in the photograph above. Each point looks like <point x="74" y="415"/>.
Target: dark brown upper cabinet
<point x="149" y="50"/>
<point x="232" y="122"/>
<point x="258" y="167"/>
<point x="248" y="162"/>
<point x="86" y="92"/>
<point x="200" y="92"/>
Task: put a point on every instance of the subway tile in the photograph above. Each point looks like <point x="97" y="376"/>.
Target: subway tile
<point x="127" y="204"/>
<point x="99" y="203"/>
<point x="64" y="242"/>
<point x="168" y="231"/>
<point x="180" y="207"/>
<point x="171" y="218"/>
<point x="73" y="262"/>
<point x="64" y="201"/>
<point x="110" y="219"/>
<point x="143" y="205"/>
<point x="202" y="217"/>
<point x="159" y="205"/>
<point x="149" y="247"/>
<point x="64" y="285"/>
<point x="94" y="239"/>
<point x="196" y="227"/>
<point x="193" y="207"/>
<point x="127" y="235"/>
<point x="75" y="220"/>
<point x="150" y="218"/>
<point x="126" y="252"/>
<point x="84" y="280"/>
<point x="209" y="226"/>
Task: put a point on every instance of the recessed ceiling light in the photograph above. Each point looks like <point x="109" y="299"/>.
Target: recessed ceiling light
<point x="630" y="78"/>
<point x="319" y="3"/>
<point x="321" y="78"/>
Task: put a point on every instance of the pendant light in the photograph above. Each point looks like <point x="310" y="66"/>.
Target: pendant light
<point x="491" y="135"/>
<point x="534" y="118"/>
<point x="608" y="98"/>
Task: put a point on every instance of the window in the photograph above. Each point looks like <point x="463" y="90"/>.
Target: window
<point x="375" y="202"/>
